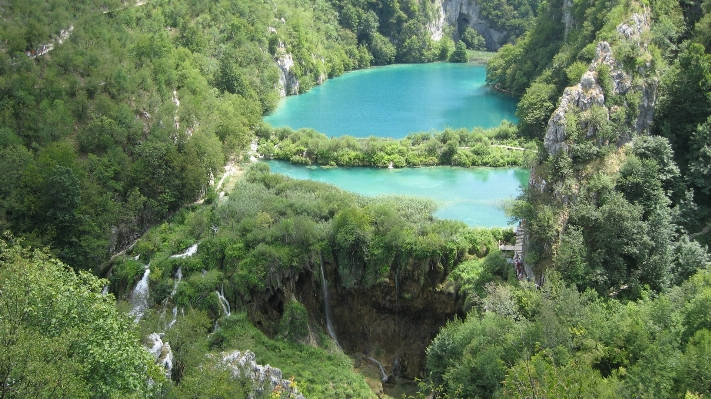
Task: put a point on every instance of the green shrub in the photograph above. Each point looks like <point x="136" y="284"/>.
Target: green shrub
<point x="299" y="160"/>
<point x="460" y="53"/>
<point x="125" y="275"/>
<point x="294" y="324"/>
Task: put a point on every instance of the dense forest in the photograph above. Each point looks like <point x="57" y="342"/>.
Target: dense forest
<point x="117" y="120"/>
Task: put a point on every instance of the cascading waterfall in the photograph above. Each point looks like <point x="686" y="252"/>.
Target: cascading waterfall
<point x="223" y="301"/>
<point x="174" y="319"/>
<point x="188" y="252"/>
<point x="327" y="308"/>
<point x="139" y="297"/>
<point x="178" y="277"/>
<point x="383" y="376"/>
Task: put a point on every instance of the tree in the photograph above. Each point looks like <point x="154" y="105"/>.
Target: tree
<point x="60" y="337"/>
<point x="695" y="375"/>
<point x="535" y="108"/>
<point x="460" y="53"/>
<point x="473" y="39"/>
<point x="541" y="377"/>
<point x="699" y="174"/>
<point x="383" y="51"/>
<point x="685" y="102"/>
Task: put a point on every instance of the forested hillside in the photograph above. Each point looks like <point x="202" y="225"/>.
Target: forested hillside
<point x="623" y="145"/>
<point x="117" y="118"/>
<point x="616" y="213"/>
<point x="122" y="112"/>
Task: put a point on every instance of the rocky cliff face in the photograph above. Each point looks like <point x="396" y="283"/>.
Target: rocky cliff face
<point x="393" y="321"/>
<point x="578" y="99"/>
<point x="625" y="96"/>
<point x="459" y="14"/>
<point x="265" y="379"/>
<point x="567" y="16"/>
<point x="288" y="83"/>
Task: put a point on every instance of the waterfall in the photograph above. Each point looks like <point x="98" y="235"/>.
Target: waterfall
<point x="139" y="297"/>
<point x="174" y="319"/>
<point x="188" y="252"/>
<point x="223" y="301"/>
<point x="327" y="309"/>
<point x="105" y="290"/>
<point x="178" y="277"/>
<point x="383" y="376"/>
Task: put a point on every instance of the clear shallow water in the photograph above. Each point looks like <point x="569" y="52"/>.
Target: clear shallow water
<point x="395" y="100"/>
<point x="470" y="195"/>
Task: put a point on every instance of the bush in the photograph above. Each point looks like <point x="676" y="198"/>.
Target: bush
<point x="125" y="275"/>
<point x="473" y="39"/>
<point x="299" y="160"/>
<point x="294" y="324"/>
<point x="460" y="53"/>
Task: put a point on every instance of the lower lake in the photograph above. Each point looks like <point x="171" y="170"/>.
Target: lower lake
<point x="395" y="100"/>
<point x="471" y="195"/>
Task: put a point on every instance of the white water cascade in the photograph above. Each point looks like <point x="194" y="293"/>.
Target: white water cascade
<point x="188" y="252"/>
<point x="139" y="297"/>
<point x="162" y="353"/>
<point x="327" y="308"/>
<point x="223" y="301"/>
<point x="174" y="319"/>
<point x="178" y="277"/>
<point x="383" y="376"/>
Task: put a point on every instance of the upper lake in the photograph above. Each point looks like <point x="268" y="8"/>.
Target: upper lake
<point x="396" y="100"/>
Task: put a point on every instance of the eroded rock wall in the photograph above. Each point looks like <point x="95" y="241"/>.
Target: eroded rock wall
<point x="288" y="82"/>
<point x="589" y="92"/>
<point x="460" y="13"/>
<point x="393" y="321"/>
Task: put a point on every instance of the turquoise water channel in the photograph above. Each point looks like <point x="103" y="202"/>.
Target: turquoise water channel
<point x="395" y="100"/>
<point x="471" y="195"/>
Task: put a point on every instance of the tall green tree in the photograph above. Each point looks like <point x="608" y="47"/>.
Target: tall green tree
<point x="61" y="338"/>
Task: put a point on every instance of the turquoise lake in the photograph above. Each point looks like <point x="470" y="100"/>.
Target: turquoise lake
<point x="471" y="195"/>
<point x="395" y="100"/>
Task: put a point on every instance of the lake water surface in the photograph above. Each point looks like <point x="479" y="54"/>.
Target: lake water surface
<point x="470" y="195"/>
<point x="395" y="100"/>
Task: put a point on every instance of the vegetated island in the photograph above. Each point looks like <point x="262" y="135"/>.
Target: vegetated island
<point x="500" y="146"/>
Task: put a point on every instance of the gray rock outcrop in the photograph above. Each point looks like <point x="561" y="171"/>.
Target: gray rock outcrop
<point x="288" y="83"/>
<point x="588" y="92"/>
<point x="162" y="352"/>
<point x="567" y="16"/>
<point x="461" y="13"/>
<point x="265" y="379"/>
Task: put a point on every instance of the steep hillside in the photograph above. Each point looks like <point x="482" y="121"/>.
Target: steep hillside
<point x="614" y="214"/>
<point x="121" y="112"/>
<point x="603" y="169"/>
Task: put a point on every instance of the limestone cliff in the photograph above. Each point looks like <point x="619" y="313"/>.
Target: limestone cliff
<point x="288" y="83"/>
<point x="578" y="100"/>
<point x="393" y="321"/>
<point x="461" y="13"/>
<point x="612" y="102"/>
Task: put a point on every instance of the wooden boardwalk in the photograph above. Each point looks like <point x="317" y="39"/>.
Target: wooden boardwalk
<point x="518" y="250"/>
